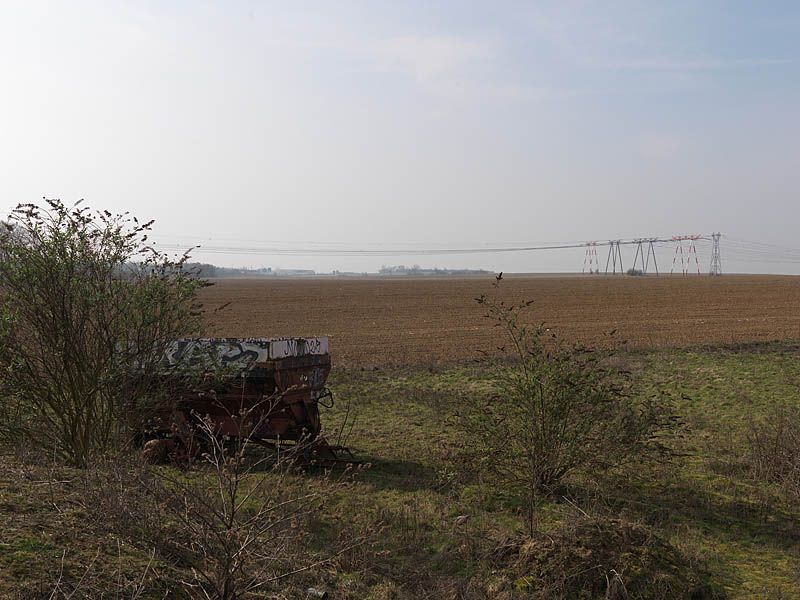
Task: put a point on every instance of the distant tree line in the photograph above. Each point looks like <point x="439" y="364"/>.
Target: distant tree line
<point x="206" y="270"/>
<point x="417" y="270"/>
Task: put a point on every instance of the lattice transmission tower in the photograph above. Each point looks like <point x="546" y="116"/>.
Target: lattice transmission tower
<point x="590" y="261"/>
<point x="642" y="256"/>
<point x="716" y="259"/>
<point x="614" y="257"/>
<point x="685" y="258"/>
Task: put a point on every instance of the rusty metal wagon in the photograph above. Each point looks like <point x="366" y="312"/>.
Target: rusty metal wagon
<point x="269" y="392"/>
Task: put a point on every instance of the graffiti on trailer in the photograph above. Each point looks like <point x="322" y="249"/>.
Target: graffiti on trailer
<point x="299" y="347"/>
<point x="228" y="352"/>
<point x="316" y="345"/>
<point x="241" y="352"/>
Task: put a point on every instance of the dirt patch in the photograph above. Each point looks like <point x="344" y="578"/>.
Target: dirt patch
<point x="374" y="321"/>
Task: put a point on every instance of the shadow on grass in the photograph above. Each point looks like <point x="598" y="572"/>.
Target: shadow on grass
<point x="380" y="473"/>
<point x="682" y="503"/>
<point x="401" y="475"/>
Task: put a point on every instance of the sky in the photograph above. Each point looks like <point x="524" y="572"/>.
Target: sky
<point x="412" y="125"/>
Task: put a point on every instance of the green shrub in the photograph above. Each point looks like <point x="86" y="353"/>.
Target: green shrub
<point x="554" y="410"/>
<point x="86" y="310"/>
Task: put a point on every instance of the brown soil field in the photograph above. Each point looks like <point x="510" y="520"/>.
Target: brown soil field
<point x="376" y="321"/>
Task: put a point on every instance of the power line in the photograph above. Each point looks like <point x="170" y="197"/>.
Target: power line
<point x="736" y="250"/>
<point x="364" y="251"/>
<point x="323" y="251"/>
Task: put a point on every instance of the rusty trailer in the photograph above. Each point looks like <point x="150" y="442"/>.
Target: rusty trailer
<point x="269" y="392"/>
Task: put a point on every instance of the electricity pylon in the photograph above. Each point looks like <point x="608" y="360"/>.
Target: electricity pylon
<point x="590" y="259"/>
<point x="716" y="260"/>
<point x="614" y="256"/>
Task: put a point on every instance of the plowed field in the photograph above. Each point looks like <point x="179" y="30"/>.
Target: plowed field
<point x="374" y="321"/>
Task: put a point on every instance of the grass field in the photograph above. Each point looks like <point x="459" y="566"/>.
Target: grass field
<point x="403" y="369"/>
<point x="704" y="503"/>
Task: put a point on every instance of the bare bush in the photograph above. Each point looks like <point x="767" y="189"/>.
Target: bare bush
<point x="92" y="583"/>
<point x="232" y="526"/>
<point x="774" y="448"/>
<point x="86" y="310"/>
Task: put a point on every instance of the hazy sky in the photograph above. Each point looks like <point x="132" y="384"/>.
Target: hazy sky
<point x="413" y="124"/>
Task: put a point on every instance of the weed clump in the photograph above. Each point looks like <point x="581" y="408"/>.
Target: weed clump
<point x="594" y="557"/>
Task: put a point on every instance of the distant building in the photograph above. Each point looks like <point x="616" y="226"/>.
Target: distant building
<point x="293" y="272"/>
